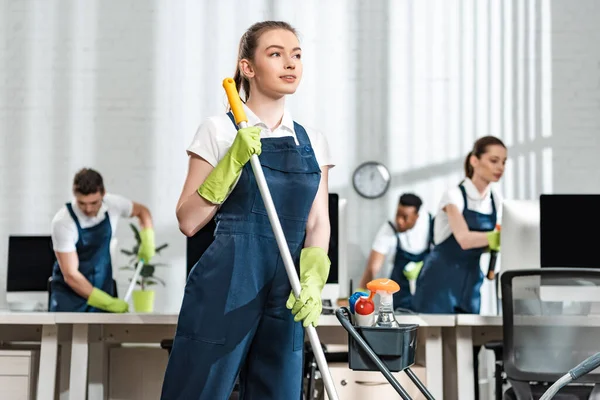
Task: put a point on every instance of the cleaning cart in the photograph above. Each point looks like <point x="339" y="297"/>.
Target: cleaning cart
<point x="380" y="344"/>
<point x="385" y="345"/>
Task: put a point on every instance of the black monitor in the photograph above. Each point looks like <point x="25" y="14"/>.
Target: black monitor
<point x="567" y="223"/>
<point x="197" y="244"/>
<point x="30" y="263"/>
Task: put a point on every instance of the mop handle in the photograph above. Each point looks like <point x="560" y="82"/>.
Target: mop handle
<point x="240" y="119"/>
<point x="136" y="275"/>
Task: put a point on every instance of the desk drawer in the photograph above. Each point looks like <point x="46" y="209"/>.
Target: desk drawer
<point x="15" y="365"/>
<point x="351" y="385"/>
<point x="14" y="387"/>
<point x="18" y="374"/>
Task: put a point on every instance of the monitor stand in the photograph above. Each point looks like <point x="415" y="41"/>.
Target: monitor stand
<point x="27" y="301"/>
<point x="329" y="297"/>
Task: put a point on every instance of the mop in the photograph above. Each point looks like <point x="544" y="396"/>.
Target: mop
<point x="136" y="275"/>
<point x="240" y="119"/>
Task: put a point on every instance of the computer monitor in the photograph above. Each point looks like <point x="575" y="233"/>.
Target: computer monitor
<point x="335" y="287"/>
<point x="566" y="242"/>
<point x="30" y="263"/>
<point x="519" y="236"/>
<point x="566" y="221"/>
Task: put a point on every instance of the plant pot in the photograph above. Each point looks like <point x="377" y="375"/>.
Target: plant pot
<point x="143" y="301"/>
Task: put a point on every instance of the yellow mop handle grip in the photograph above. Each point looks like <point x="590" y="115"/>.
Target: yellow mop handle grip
<point x="234" y="101"/>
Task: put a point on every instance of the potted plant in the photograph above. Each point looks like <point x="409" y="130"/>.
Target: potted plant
<point x="143" y="299"/>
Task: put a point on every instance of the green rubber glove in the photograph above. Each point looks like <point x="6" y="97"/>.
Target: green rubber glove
<point x="314" y="270"/>
<point x="218" y="184"/>
<point x="493" y="238"/>
<point x="106" y="302"/>
<point x="412" y="270"/>
<point x="147" y="248"/>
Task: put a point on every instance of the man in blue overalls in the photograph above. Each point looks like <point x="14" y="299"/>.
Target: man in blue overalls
<point x="82" y="279"/>
<point x="405" y="242"/>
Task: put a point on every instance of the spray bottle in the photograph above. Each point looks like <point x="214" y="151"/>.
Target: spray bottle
<point x="364" y="310"/>
<point x="385" y="288"/>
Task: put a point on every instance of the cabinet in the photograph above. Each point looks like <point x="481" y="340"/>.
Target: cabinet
<point x="18" y="374"/>
<point x="351" y="385"/>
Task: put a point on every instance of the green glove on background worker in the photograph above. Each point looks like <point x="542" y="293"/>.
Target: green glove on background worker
<point x="314" y="270"/>
<point x="147" y="248"/>
<point x="494" y="240"/>
<point x="412" y="270"/>
<point x="219" y="183"/>
<point x="106" y="302"/>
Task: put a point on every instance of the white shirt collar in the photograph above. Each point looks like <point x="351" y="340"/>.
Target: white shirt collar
<point x="286" y="122"/>
<point x="473" y="192"/>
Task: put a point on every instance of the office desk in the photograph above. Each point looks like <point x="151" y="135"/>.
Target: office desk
<point x="152" y="328"/>
<point x="39" y="328"/>
<point x="470" y="330"/>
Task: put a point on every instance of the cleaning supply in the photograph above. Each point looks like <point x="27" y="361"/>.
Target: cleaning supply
<point x="385" y="288"/>
<point x="364" y="311"/>
<point x="352" y="299"/>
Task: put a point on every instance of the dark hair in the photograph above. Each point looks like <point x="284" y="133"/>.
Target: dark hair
<point x="410" y="200"/>
<point x="480" y="147"/>
<point x="247" y="48"/>
<point x="88" y="181"/>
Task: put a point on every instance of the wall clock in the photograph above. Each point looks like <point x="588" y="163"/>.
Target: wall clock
<point x="371" y="179"/>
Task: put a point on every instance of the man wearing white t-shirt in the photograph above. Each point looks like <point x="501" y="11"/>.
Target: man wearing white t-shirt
<point x="82" y="230"/>
<point x="401" y="248"/>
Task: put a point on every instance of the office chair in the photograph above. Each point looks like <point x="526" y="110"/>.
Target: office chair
<point x="49" y="288"/>
<point x="544" y="311"/>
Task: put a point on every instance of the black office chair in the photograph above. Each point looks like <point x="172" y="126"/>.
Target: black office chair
<point x="49" y="288"/>
<point x="541" y="336"/>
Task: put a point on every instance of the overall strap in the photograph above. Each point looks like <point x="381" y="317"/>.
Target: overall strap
<point x="230" y="115"/>
<point x="395" y="234"/>
<point x="301" y="135"/>
<point x="72" y="213"/>
<point x="431" y="224"/>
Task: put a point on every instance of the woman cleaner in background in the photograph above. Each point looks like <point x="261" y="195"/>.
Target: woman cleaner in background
<point x="464" y="229"/>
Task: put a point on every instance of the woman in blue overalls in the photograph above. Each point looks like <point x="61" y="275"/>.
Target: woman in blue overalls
<point x="451" y="276"/>
<point x="235" y="318"/>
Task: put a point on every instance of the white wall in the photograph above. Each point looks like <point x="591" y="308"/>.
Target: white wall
<point x="122" y="86"/>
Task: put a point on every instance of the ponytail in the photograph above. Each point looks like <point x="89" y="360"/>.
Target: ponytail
<point x="468" y="167"/>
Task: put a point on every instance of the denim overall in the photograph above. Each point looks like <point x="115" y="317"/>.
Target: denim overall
<point x="403" y="298"/>
<point x="93" y="251"/>
<point x="451" y="277"/>
<point x="233" y="319"/>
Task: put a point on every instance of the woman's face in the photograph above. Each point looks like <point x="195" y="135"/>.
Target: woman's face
<point x="490" y="166"/>
<point x="277" y="66"/>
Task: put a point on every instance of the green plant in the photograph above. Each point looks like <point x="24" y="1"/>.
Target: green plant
<point x="147" y="277"/>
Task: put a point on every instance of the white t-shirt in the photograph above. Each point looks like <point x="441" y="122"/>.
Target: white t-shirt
<point x="478" y="202"/>
<point x="215" y="136"/>
<point x="414" y="241"/>
<point x="64" y="229"/>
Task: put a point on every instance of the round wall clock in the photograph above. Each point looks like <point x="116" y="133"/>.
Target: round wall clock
<point x="371" y="179"/>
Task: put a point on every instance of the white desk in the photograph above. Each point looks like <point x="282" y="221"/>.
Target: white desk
<point x="152" y="328"/>
<point x="35" y="327"/>
<point x="470" y="330"/>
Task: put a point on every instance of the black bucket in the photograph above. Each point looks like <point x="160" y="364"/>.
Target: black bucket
<point x="396" y="347"/>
